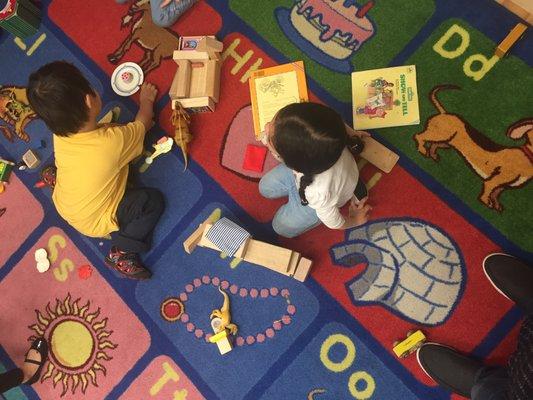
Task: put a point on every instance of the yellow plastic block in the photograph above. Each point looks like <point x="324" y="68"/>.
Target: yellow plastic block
<point x="405" y="346"/>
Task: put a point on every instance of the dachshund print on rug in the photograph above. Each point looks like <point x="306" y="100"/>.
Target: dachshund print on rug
<point x="499" y="167"/>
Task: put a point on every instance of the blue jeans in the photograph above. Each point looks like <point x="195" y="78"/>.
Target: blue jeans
<point x="166" y="16"/>
<point x="490" y="384"/>
<point x="292" y="219"/>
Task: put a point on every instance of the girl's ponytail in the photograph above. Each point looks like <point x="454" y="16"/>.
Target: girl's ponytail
<point x="305" y="181"/>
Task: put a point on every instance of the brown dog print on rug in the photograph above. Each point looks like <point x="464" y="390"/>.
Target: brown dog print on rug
<point x="15" y="112"/>
<point x="156" y="42"/>
<point x="498" y="166"/>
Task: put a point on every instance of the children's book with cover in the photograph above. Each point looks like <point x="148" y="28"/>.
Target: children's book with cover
<point x="273" y="88"/>
<point x="385" y="97"/>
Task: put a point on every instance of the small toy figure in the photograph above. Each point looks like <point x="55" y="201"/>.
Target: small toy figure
<point x="48" y="177"/>
<point x="163" y="145"/>
<point x="222" y="325"/>
<point x="182" y="135"/>
<point x="225" y="315"/>
<point x="414" y="340"/>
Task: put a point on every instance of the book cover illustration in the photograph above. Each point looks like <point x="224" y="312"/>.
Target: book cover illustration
<point x="385" y="97"/>
<point x="273" y="88"/>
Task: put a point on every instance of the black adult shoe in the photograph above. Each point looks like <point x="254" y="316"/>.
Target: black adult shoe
<point x="511" y="277"/>
<point x="449" y="368"/>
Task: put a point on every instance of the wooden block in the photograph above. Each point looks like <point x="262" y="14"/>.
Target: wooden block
<point x="196" y="105"/>
<point x="241" y="251"/>
<point x="303" y="269"/>
<point x="192" y="241"/>
<point x="379" y="155"/>
<point x="181" y="84"/>
<point x="212" y="80"/>
<point x="293" y="264"/>
<point x="31" y="159"/>
<point x="222" y="341"/>
<point x="516" y="33"/>
<point x="267" y="255"/>
<point x="224" y="345"/>
<point x="198" y="81"/>
<point x="518" y="9"/>
<point x="210" y="44"/>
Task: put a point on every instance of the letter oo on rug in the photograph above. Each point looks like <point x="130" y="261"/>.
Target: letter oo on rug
<point x="413" y="268"/>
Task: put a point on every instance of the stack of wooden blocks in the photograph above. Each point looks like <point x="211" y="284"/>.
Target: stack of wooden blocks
<point x="196" y="85"/>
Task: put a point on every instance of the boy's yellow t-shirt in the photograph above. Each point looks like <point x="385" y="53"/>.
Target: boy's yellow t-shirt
<point x="92" y="171"/>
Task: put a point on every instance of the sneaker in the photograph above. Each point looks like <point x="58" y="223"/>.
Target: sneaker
<point x="127" y="264"/>
<point x="449" y="368"/>
<point x="511" y="277"/>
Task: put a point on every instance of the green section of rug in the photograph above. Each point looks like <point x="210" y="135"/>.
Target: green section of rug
<point x="378" y="51"/>
<point x="490" y="105"/>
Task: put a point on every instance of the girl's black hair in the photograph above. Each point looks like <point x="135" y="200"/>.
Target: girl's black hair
<point x="56" y="92"/>
<point x="310" y="138"/>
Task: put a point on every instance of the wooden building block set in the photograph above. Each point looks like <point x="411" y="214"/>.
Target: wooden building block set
<point x="197" y="81"/>
<point x="275" y="258"/>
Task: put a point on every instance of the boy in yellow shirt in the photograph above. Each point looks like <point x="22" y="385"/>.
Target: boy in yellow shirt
<point x="92" y="163"/>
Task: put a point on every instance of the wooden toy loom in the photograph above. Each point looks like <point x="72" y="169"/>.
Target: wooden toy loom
<point x="279" y="259"/>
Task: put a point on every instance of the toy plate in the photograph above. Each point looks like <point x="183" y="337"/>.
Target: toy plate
<point x="125" y="88"/>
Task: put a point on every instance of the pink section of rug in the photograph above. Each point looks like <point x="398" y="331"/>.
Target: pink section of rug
<point x="88" y="327"/>
<point x="239" y="135"/>
<point x="23" y="214"/>
<point x="162" y="380"/>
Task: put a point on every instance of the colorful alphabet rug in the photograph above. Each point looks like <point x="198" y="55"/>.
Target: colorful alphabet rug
<point x="460" y="191"/>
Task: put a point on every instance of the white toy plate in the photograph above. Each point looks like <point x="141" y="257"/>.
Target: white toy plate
<point x="127" y="78"/>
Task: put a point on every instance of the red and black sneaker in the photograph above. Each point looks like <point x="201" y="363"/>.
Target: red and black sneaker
<point x="127" y="264"/>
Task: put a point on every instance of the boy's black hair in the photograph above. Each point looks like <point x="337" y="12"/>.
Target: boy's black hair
<point x="56" y="92"/>
<point x="310" y="138"/>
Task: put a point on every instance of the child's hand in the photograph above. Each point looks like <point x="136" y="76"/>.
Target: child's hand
<point x="352" y="132"/>
<point x="148" y="93"/>
<point x="359" y="211"/>
<point x="361" y="134"/>
<point x="165" y="3"/>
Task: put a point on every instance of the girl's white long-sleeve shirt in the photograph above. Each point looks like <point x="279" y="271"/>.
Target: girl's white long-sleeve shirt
<point x="332" y="189"/>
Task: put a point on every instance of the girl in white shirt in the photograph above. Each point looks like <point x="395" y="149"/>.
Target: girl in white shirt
<point x="318" y="173"/>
